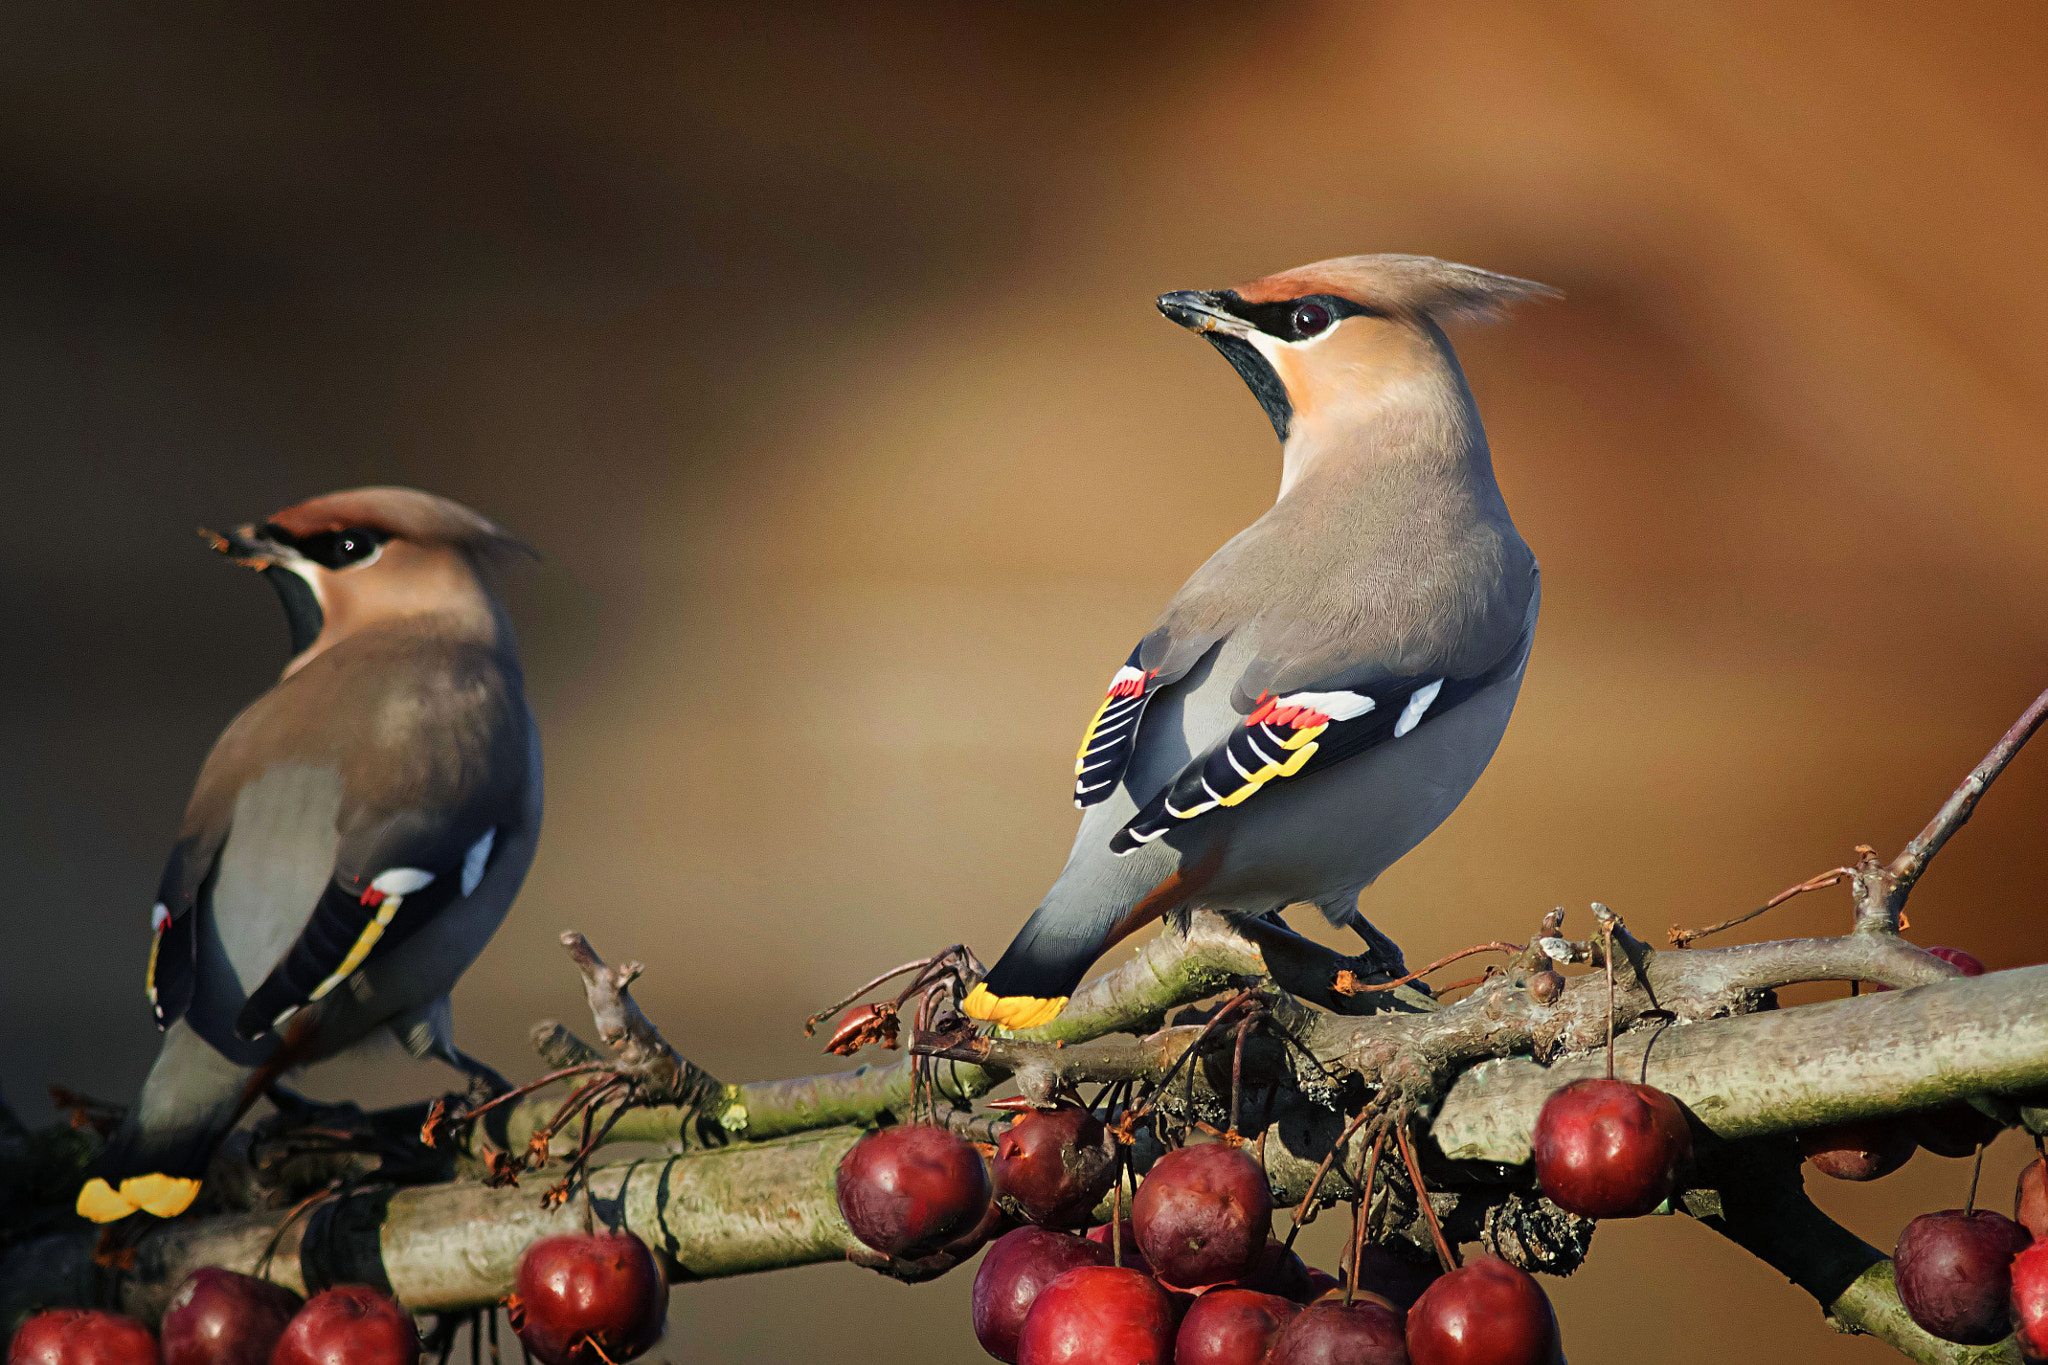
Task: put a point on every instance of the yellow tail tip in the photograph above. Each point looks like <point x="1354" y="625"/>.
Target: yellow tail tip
<point x="162" y="1196"/>
<point x="1012" y="1011"/>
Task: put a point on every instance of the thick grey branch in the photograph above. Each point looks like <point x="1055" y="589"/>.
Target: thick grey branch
<point x="1788" y="1069"/>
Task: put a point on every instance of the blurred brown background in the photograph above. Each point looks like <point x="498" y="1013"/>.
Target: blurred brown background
<point x="808" y="345"/>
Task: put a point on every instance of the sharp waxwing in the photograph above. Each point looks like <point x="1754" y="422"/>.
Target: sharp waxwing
<point x="356" y="834"/>
<point x="1322" y="692"/>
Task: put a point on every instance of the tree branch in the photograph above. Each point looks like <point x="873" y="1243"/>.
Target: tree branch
<point x="1760" y="1204"/>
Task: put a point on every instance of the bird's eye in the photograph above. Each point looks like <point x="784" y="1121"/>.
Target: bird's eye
<point x="1311" y="319"/>
<point x="339" y="549"/>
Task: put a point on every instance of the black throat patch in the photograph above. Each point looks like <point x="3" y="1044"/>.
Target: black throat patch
<point x="1259" y="376"/>
<point x="301" y="609"/>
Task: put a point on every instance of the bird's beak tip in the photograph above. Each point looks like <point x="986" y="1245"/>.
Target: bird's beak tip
<point x="1190" y="308"/>
<point x="238" y="546"/>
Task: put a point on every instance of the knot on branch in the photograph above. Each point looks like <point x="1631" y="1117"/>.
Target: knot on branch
<point x="1528" y="1231"/>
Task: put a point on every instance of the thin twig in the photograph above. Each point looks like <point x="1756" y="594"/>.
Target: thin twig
<point x="1348" y="983"/>
<point x="1955" y="812"/>
<point x="1681" y="938"/>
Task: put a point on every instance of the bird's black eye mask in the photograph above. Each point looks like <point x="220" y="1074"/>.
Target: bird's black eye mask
<point x="1295" y="319"/>
<point x="330" y="549"/>
<point x="1286" y="320"/>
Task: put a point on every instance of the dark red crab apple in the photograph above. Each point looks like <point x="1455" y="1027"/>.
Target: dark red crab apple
<point x="1954" y="1273"/>
<point x="586" y="1300"/>
<point x="218" y="1317"/>
<point x="2030" y="1302"/>
<point x="1052" y="1167"/>
<point x="350" y="1324"/>
<point x="1099" y="1315"/>
<point x="1202" y="1215"/>
<point x="1862" y="1150"/>
<point x="907" y="1190"/>
<point x="1486" y="1312"/>
<point x="1231" y="1327"/>
<point x="80" y="1336"/>
<point x="1329" y="1333"/>
<point x="1015" y="1270"/>
<point x="1610" y="1148"/>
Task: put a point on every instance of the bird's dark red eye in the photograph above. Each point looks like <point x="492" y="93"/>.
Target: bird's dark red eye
<point x="1310" y="319"/>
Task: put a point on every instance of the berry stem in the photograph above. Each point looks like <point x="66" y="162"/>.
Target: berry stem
<point x="1436" y="1232"/>
<point x="1362" y="1212"/>
<point x="1607" y="938"/>
<point x="1976" y="1172"/>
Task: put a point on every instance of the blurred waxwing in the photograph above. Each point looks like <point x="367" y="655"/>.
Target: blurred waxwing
<point x="356" y="834"/>
<point x="1323" y="692"/>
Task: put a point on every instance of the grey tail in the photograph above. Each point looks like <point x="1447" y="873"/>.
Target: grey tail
<point x="191" y="1099"/>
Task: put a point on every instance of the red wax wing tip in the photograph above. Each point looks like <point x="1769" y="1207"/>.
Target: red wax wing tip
<point x="372" y="897"/>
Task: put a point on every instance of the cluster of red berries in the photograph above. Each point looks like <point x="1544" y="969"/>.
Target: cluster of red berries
<point x="1192" y="1277"/>
<point x="581" y="1300"/>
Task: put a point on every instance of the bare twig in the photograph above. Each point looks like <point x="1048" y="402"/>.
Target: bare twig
<point x="1955" y="812"/>
<point x="1683" y="938"/>
<point x="1347" y="983"/>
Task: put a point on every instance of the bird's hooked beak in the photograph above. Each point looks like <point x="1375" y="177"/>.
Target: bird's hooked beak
<point x="244" y="545"/>
<point x="1202" y="310"/>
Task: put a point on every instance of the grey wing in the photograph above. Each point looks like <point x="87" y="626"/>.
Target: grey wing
<point x="1359" y="706"/>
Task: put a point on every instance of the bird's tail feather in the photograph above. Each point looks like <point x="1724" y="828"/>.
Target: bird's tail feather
<point x="1033" y="979"/>
<point x="155" y="1161"/>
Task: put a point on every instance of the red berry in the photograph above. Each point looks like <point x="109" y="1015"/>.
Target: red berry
<point x="1328" y="1333"/>
<point x="1231" y="1327"/>
<point x="908" y="1190"/>
<point x="1861" y="1150"/>
<point x="1484" y="1313"/>
<point x="350" y="1324"/>
<point x="80" y="1336"/>
<point x="2030" y="1199"/>
<point x="1053" y="1167"/>
<point x="1609" y="1148"/>
<point x="220" y="1318"/>
<point x="582" y="1300"/>
<point x="1970" y="964"/>
<point x="1099" y="1315"/>
<point x="1396" y="1279"/>
<point x="1202" y="1215"/>
<point x="1967" y="962"/>
<point x="2030" y="1302"/>
<point x="1016" y="1268"/>
<point x="1954" y="1273"/>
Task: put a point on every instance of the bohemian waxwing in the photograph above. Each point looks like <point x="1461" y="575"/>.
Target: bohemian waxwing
<point x="356" y="834"/>
<point x="1322" y="693"/>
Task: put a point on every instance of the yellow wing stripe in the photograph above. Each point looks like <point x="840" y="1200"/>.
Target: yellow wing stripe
<point x="372" y="931"/>
<point x="1304" y="746"/>
<point x="1088" y="735"/>
<point x="149" y="977"/>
